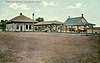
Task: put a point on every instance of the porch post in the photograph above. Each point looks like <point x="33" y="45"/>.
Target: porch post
<point x="13" y="27"/>
<point x="71" y="28"/>
<point x="56" y="28"/>
<point x="77" y="28"/>
<point x="92" y="29"/>
<point x="85" y="30"/>
<point x="66" y="28"/>
<point x="63" y="28"/>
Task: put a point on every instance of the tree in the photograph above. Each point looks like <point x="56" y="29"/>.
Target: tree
<point x="0" y="25"/>
<point x="39" y="19"/>
<point x="3" y="25"/>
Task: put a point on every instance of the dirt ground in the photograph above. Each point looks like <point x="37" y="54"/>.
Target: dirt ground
<point x="29" y="47"/>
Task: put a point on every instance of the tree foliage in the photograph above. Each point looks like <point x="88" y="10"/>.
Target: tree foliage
<point x="3" y="25"/>
<point x="39" y="19"/>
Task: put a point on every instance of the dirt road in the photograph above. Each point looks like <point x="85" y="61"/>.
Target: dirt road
<point x="28" y="47"/>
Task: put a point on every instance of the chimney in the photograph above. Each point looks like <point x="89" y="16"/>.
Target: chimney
<point x="33" y="16"/>
<point x="82" y="15"/>
<point x="20" y="14"/>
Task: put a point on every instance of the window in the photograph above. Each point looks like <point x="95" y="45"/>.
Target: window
<point x="17" y="26"/>
<point x="26" y="26"/>
<point x="29" y="26"/>
<point x="83" y="20"/>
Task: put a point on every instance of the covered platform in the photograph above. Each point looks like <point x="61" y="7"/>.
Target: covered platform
<point x="49" y="26"/>
<point x="77" y="24"/>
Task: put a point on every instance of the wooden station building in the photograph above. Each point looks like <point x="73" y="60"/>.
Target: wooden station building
<point x="23" y="23"/>
<point x="20" y="23"/>
<point x="77" y="24"/>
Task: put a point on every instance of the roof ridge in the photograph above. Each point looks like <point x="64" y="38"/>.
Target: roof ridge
<point x="76" y="17"/>
<point x="15" y="18"/>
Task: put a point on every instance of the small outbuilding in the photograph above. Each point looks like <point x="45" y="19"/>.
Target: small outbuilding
<point x="77" y="24"/>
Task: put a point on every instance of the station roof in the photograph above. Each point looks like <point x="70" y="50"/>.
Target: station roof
<point x="77" y="21"/>
<point x="21" y="19"/>
<point x="54" y="22"/>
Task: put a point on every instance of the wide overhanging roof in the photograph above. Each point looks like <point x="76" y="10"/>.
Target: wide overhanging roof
<point x="21" y="19"/>
<point x="76" y="21"/>
<point x="48" y="23"/>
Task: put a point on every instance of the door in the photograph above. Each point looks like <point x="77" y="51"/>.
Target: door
<point x="21" y="29"/>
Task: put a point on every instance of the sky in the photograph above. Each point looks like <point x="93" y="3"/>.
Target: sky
<point x="52" y="9"/>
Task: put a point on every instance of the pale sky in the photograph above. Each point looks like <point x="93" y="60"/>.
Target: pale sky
<point x="53" y="9"/>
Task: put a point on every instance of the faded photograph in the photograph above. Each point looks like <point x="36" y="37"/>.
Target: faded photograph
<point x="49" y="31"/>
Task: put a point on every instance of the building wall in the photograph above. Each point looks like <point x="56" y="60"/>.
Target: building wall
<point x="10" y="27"/>
<point x="13" y="27"/>
<point x="74" y="27"/>
<point x="94" y="31"/>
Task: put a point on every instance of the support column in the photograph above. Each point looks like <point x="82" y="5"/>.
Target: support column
<point x="60" y="28"/>
<point x="66" y="28"/>
<point x="92" y="29"/>
<point x="63" y="28"/>
<point x="52" y="28"/>
<point x="56" y="28"/>
<point x="71" y="28"/>
<point x="85" y="29"/>
<point x="77" y="28"/>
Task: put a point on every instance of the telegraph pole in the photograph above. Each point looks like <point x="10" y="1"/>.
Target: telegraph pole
<point x="33" y="21"/>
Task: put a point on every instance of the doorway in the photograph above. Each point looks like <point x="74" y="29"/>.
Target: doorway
<point x="21" y="29"/>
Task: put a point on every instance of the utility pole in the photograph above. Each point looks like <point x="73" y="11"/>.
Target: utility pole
<point x="33" y="21"/>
